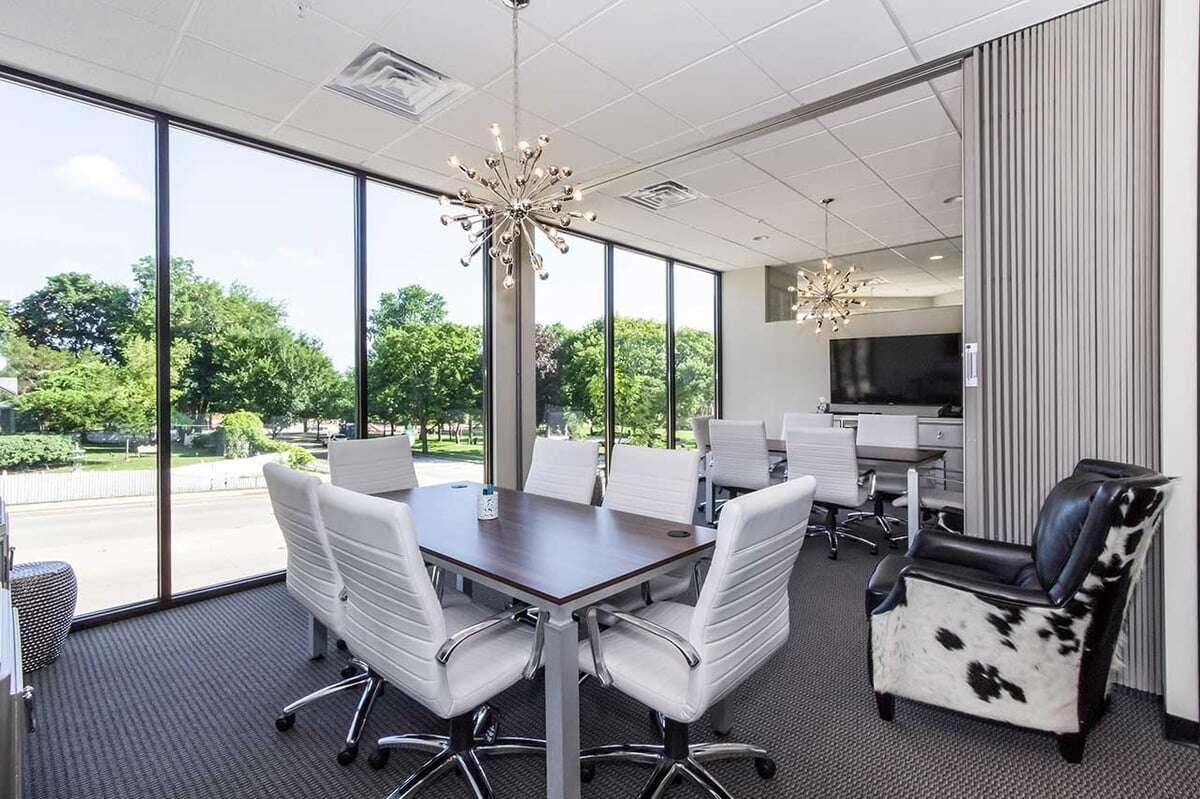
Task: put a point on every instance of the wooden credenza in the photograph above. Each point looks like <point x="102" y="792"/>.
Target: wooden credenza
<point x="934" y="432"/>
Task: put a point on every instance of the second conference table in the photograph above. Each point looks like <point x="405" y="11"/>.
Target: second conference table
<point x="913" y="458"/>
<point x="558" y="556"/>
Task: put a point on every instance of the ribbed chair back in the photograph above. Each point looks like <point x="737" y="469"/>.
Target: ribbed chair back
<point x="312" y="576"/>
<point x="741" y="618"/>
<point x="831" y="457"/>
<point x="653" y="482"/>
<point x="739" y="454"/>
<point x="563" y="469"/>
<point x="394" y="620"/>
<point x="372" y="465"/>
<point x="886" y="430"/>
<point x="804" y="421"/>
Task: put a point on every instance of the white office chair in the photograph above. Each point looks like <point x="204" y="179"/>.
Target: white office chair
<point x="946" y="505"/>
<point x="804" y="421"/>
<point x="313" y="580"/>
<point x="740" y="460"/>
<point x="450" y="659"/>
<point x="830" y="457"/>
<point x="659" y="483"/>
<point x="703" y="443"/>
<point x="886" y="430"/>
<point x="563" y="470"/>
<point x="682" y="661"/>
<point x="372" y="465"/>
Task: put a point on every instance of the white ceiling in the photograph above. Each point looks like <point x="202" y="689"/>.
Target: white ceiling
<point x="616" y="83"/>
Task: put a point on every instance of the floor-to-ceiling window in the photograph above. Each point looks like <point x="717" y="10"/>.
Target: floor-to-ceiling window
<point x="569" y="342"/>
<point x="262" y="348"/>
<point x="425" y="335"/>
<point x="695" y="348"/>
<point x="77" y="342"/>
<point x="639" y="349"/>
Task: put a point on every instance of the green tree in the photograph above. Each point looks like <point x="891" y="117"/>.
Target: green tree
<point x="413" y="304"/>
<point x="694" y="375"/>
<point x="424" y="374"/>
<point x="547" y="364"/>
<point x="75" y="313"/>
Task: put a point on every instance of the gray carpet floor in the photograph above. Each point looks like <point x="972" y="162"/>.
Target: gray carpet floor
<point x="180" y="705"/>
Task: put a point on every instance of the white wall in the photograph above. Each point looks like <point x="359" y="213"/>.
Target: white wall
<point x="769" y="369"/>
<point x="1180" y="24"/>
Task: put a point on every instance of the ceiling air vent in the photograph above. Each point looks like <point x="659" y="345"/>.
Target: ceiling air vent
<point x="660" y="196"/>
<point x="394" y="83"/>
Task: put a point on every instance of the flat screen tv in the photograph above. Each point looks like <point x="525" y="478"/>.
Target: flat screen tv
<point x="896" y="370"/>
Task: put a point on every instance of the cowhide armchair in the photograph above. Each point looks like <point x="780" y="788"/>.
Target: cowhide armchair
<point x="1024" y="635"/>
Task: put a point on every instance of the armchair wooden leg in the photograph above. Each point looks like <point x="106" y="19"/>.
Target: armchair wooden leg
<point x="886" y="704"/>
<point x="1070" y="746"/>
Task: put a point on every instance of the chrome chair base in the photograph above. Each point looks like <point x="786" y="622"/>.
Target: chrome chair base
<point x="675" y="758"/>
<point x="886" y="524"/>
<point x="357" y="675"/>
<point x="471" y="737"/>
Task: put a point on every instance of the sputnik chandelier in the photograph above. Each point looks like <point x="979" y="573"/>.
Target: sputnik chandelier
<point x="828" y="294"/>
<point x="520" y="194"/>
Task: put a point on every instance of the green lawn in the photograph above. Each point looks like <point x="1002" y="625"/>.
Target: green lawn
<point x="111" y="458"/>
<point x="446" y="448"/>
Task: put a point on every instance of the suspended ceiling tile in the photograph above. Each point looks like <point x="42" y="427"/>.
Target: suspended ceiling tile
<point x="865" y="198"/>
<point x="915" y="121"/>
<point x="556" y="18"/>
<point x="630" y="124"/>
<point x="201" y="69"/>
<point x="823" y="40"/>
<point x="953" y="100"/>
<point x="471" y="120"/>
<point x="685" y="166"/>
<point x="1000" y="22"/>
<point x="920" y="19"/>
<point x="568" y="148"/>
<point x="833" y="180"/>
<point x="189" y="106"/>
<point x="748" y="117"/>
<point x="468" y="40"/>
<point x="409" y="173"/>
<point x="560" y="86"/>
<point x="336" y="116"/>
<point x="918" y="157"/>
<point x="880" y="67"/>
<point x="640" y="41"/>
<point x="718" y="86"/>
<point x="784" y="134"/>
<point x="803" y="155"/>
<point x="935" y="185"/>
<point x="726" y="178"/>
<point x="311" y="47"/>
<point x="168" y="13"/>
<point x="738" y="20"/>
<point x="315" y="144"/>
<point x="35" y="58"/>
<point x="430" y="150"/>
<point x="365" y="16"/>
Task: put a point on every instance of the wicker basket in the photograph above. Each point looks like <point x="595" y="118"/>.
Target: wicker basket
<point x="44" y="594"/>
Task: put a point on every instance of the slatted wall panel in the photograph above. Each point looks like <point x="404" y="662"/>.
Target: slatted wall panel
<point x="1065" y="218"/>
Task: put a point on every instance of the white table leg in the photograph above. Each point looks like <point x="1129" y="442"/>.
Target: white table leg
<point x="561" y="663"/>
<point x="914" y="501"/>
<point x="709" y="494"/>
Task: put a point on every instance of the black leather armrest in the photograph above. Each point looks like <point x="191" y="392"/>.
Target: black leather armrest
<point x="988" y="591"/>
<point x="1001" y="559"/>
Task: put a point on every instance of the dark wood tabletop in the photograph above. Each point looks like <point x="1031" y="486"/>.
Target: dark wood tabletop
<point x="913" y="457"/>
<point x="556" y="550"/>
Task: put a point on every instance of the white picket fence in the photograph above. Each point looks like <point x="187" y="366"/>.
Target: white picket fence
<point x="28" y="488"/>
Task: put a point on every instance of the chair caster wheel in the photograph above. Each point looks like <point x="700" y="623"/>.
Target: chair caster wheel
<point x="341" y="645"/>
<point x="875" y="550"/>
<point x="765" y="767"/>
<point x="586" y="772"/>
<point x="347" y="755"/>
<point x="284" y="723"/>
<point x="348" y="671"/>
<point x="891" y="544"/>
<point x="379" y="758"/>
<point x="833" y="554"/>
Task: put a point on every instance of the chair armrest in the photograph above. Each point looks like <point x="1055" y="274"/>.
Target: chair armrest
<point x="1000" y="558"/>
<point x="988" y="591"/>
<point x="868" y="478"/>
<point x="506" y="616"/>
<point x="681" y="644"/>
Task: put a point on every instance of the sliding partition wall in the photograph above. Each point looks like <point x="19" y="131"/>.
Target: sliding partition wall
<point x="181" y="305"/>
<point x="1063" y="297"/>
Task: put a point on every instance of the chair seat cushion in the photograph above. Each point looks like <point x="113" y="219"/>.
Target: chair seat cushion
<point x="485" y="664"/>
<point x="643" y="666"/>
<point x="888" y="572"/>
<point x="933" y="498"/>
<point x="664" y="587"/>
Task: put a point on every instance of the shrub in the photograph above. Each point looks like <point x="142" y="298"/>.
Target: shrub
<point x="245" y="435"/>
<point x="31" y="450"/>
<point x="298" y="457"/>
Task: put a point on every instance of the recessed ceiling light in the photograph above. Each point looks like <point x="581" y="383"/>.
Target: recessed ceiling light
<point x="936" y="257"/>
<point x="760" y="237"/>
<point x="957" y="198"/>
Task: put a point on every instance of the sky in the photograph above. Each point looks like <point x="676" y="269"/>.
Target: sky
<point x="77" y="193"/>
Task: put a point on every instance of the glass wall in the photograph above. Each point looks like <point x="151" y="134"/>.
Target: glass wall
<point x="262" y="347"/>
<point x="639" y="349"/>
<point x="425" y="335"/>
<point x="695" y="349"/>
<point x="77" y="342"/>
<point x="569" y="342"/>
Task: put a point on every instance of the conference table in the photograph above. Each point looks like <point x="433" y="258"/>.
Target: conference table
<point x="914" y="459"/>
<point x="556" y="555"/>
